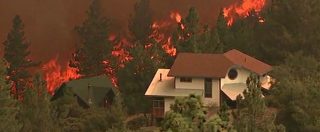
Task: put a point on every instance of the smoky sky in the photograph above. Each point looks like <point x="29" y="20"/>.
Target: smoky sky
<point x="49" y="24"/>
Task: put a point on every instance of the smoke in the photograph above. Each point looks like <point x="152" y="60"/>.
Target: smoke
<point x="49" y="24"/>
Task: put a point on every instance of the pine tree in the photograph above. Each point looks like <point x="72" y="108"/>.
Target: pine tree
<point x="16" y="54"/>
<point x="191" y="36"/>
<point x="37" y="101"/>
<point x="9" y="107"/>
<point x="251" y="114"/>
<point x="140" y="23"/>
<point x="134" y="78"/>
<point x="94" y="48"/>
<point x="186" y="114"/>
<point x="116" y="115"/>
<point x="296" y="93"/>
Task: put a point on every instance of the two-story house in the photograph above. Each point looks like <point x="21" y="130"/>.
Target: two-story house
<point x="215" y="77"/>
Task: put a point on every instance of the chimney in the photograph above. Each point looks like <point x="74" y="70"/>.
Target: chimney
<point x="160" y="77"/>
<point x="89" y="94"/>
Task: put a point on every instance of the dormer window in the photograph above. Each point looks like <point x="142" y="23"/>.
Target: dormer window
<point x="185" y="79"/>
<point x="232" y="74"/>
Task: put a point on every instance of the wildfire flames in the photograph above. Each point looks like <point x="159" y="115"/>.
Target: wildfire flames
<point x="55" y="76"/>
<point x="242" y="10"/>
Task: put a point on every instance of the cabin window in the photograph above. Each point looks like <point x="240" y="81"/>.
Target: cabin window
<point x="208" y="88"/>
<point x="158" y="108"/>
<point x="158" y="103"/>
<point x="185" y="79"/>
<point x="232" y="74"/>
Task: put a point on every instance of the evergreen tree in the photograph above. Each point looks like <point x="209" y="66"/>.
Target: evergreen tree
<point x="193" y="37"/>
<point x="135" y="77"/>
<point x="37" y="101"/>
<point x="140" y="23"/>
<point x="16" y="53"/>
<point x="94" y="47"/>
<point x="251" y="114"/>
<point x="186" y="114"/>
<point x="116" y="115"/>
<point x="296" y="93"/>
<point x="217" y="124"/>
<point x="9" y="107"/>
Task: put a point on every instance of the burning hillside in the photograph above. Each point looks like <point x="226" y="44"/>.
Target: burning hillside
<point x="55" y="75"/>
<point x="242" y="10"/>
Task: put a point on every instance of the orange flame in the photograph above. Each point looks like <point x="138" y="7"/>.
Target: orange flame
<point x="242" y="10"/>
<point x="55" y="76"/>
<point x="178" y="18"/>
<point x="169" y="48"/>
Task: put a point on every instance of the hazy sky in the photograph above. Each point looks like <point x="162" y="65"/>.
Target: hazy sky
<point x="49" y="23"/>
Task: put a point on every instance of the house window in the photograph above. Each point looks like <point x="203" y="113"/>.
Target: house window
<point x="232" y="74"/>
<point x="208" y="88"/>
<point x="185" y="79"/>
<point x="158" y="103"/>
<point x="158" y="108"/>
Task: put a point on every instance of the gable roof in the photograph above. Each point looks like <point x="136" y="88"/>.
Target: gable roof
<point x="248" y="62"/>
<point x="214" y="65"/>
<point x="200" y="65"/>
<point x="100" y="86"/>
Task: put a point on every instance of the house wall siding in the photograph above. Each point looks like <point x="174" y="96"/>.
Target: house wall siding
<point x="243" y="74"/>
<point x="197" y="83"/>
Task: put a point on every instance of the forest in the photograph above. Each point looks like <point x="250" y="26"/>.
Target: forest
<point x="282" y="33"/>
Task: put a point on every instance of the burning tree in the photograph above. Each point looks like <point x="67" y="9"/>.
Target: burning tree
<point x="16" y="54"/>
<point x="94" y="46"/>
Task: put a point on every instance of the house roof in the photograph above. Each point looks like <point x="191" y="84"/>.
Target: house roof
<point x="200" y="65"/>
<point x="214" y="65"/>
<point x="100" y="86"/>
<point x="165" y="87"/>
<point x="247" y="62"/>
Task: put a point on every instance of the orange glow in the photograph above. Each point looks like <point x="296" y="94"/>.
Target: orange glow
<point x="169" y="48"/>
<point x="119" y="51"/>
<point x="176" y="16"/>
<point x="111" y="73"/>
<point x="55" y="76"/>
<point x="242" y="10"/>
<point x="162" y="38"/>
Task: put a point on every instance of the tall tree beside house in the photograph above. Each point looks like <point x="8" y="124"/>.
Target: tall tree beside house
<point x="296" y="93"/>
<point x="140" y="23"/>
<point x="223" y="31"/>
<point x="9" y="106"/>
<point x="185" y="38"/>
<point x="135" y="77"/>
<point x="94" y="47"/>
<point x="191" y="36"/>
<point x="35" y="108"/>
<point x="251" y="114"/>
<point x="16" y="55"/>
